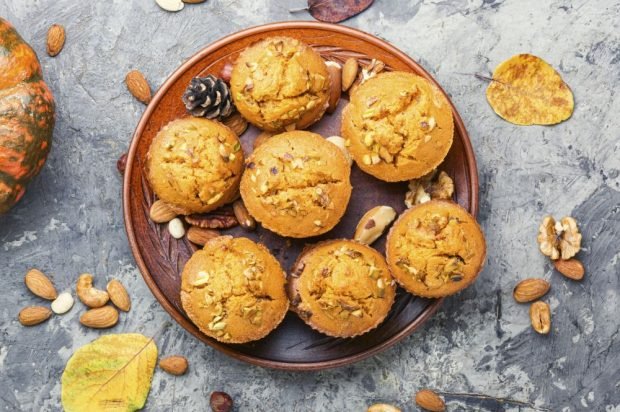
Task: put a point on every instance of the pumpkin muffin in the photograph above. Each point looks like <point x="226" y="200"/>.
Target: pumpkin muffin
<point x="233" y="290"/>
<point x="195" y="164"/>
<point x="398" y="126"/>
<point x="435" y="249"/>
<point x="280" y="82"/>
<point x="341" y="288"/>
<point x="297" y="184"/>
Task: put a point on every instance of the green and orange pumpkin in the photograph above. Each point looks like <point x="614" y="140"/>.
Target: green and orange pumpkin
<point x="26" y="116"/>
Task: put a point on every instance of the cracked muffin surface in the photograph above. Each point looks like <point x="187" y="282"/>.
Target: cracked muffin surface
<point x="341" y="288"/>
<point x="233" y="290"/>
<point x="195" y="164"/>
<point x="280" y="81"/>
<point x="297" y="184"/>
<point x="435" y="249"/>
<point x="398" y="126"/>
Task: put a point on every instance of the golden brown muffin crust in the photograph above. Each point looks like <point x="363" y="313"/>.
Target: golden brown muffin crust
<point x="341" y="288"/>
<point x="435" y="249"/>
<point x="233" y="290"/>
<point x="280" y="81"/>
<point x="195" y="164"/>
<point x="297" y="184"/>
<point x="399" y="126"/>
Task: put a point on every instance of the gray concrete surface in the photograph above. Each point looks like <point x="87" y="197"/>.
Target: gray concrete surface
<point x="480" y="342"/>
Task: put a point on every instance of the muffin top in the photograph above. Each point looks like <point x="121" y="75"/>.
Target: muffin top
<point x="280" y="81"/>
<point x="398" y="125"/>
<point x="195" y="164"/>
<point x="435" y="249"/>
<point x="297" y="184"/>
<point x="341" y="288"/>
<point x="233" y="290"/>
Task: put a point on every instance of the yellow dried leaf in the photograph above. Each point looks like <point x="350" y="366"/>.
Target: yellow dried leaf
<point x="526" y="90"/>
<point x="112" y="373"/>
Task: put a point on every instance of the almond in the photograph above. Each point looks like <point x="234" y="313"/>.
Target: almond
<point x="382" y="407"/>
<point x="200" y="236"/>
<point x="372" y="225"/>
<point x="118" y="295"/>
<point x="100" y="318"/>
<point x="571" y="268"/>
<point x="161" y="212"/>
<point x="243" y="216"/>
<point x="349" y="73"/>
<point x="236" y="123"/>
<point x="531" y="289"/>
<point x="40" y="285"/>
<point x="335" y="76"/>
<point x="174" y="365"/>
<point x="33" y="315"/>
<point x="55" y="39"/>
<point x="540" y="315"/>
<point x="138" y="86"/>
<point x="430" y="401"/>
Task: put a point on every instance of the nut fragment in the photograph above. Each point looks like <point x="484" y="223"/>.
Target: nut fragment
<point x="161" y="212"/>
<point x="40" y="285"/>
<point x="243" y="216"/>
<point x="174" y="365"/>
<point x="571" y="268"/>
<point x="559" y="239"/>
<point x="373" y="223"/>
<point x="33" y="315"/>
<point x="138" y="86"/>
<point x="220" y="402"/>
<point x="200" y="236"/>
<point x="170" y="5"/>
<point x="540" y="315"/>
<point x="341" y="143"/>
<point x="382" y="407"/>
<point x="55" y="39"/>
<point x="335" y="76"/>
<point x="176" y="228"/>
<point x="121" y="164"/>
<point x="236" y="123"/>
<point x="212" y="220"/>
<point x="100" y="318"/>
<point x="118" y="295"/>
<point x="90" y="296"/>
<point x="430" y="401"/>
<point x="429" y="187"/>
<point x="193" y="1"/>
<point x="529" y="290"/>
<point x="349" y="73"/>
<point x="63" y="303"/>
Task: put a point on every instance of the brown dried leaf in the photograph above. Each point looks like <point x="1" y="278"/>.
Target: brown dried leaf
<point x="335" y="11"/>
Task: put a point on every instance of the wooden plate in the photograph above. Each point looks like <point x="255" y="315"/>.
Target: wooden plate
<point x="293" y="345"/>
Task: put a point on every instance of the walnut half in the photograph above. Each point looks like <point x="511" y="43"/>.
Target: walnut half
<point x="429" y="187"/>
<point x="559" y="239"/>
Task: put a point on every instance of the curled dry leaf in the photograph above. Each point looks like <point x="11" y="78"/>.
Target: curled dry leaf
<point x="113" y="371"/>
<point x="138" y="86"/>
<point x="571" y="268"/>
<point x="430" y="401"/>
<point x="335" y="11"/>
<point x="540" y="316"/>
<point x="531" y="289"/>
<point x="55" y="39"/>
<point x="526" y="90"/>
<point x="40" y="285"/>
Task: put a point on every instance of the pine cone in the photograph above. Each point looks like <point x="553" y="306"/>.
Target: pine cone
<point x="208" y="97"/>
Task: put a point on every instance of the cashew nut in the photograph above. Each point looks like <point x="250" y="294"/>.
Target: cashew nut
<point x="90" y="296"/>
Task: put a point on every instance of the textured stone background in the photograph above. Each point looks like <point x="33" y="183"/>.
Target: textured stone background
<point x="70" y="221"/>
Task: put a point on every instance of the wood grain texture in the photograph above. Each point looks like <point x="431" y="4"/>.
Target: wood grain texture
<point x="161" y="258"/>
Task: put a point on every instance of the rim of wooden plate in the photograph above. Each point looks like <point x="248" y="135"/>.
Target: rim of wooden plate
<point x="163" y="300"/>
